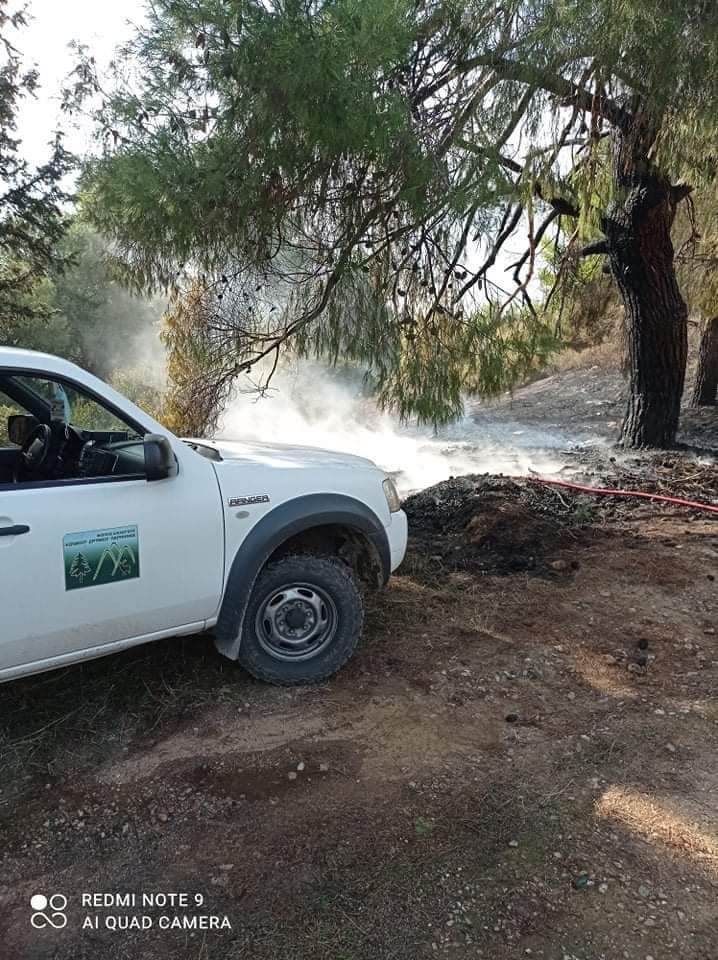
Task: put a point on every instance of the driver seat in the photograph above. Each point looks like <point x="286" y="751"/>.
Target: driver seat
<point x="19" y="428"/>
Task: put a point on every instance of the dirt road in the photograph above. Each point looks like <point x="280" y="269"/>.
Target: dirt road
<point x="514" y="765"/>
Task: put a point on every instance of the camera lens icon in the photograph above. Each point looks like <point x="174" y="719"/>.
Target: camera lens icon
<point x="48" y="911"/>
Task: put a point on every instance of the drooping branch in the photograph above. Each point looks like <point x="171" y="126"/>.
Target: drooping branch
<point x="509" y="224"/>
<point x="561" y="206"/>
<point x="535" y="240"/>
<point x="595" y="249"/>
<point x="680" y="191"/>
<point x="568" y="91"/>
<point x="572" y="94"/>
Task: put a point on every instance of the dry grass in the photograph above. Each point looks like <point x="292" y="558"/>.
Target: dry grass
<point x="104" y="705"/>
<point x="607" y="355"/>
<point x="612" y="352"/>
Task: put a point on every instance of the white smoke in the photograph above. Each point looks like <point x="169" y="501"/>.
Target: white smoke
<point x="145" y="355"/>
<point x="310" y="405"/>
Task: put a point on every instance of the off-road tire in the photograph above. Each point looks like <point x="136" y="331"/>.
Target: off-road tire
<point x="330" y="575"/>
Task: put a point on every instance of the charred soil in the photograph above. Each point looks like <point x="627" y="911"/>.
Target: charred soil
<point x="519" y="762"/>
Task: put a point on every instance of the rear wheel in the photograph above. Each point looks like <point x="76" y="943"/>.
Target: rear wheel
<point x="303" y="620"/>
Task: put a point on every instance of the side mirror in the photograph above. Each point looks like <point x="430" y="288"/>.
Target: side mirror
<point x="160" y="461"/>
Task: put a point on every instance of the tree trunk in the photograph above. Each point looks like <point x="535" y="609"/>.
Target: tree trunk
<point x="640" y="250"/>
<point x="705" y="390"/>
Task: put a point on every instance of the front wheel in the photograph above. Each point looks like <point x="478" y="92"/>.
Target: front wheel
<point x="303" y="620"/>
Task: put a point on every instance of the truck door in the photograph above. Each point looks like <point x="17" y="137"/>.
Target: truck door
<point x="87" y="561"/>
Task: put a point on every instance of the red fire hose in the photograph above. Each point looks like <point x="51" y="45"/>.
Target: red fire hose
<point x="608" y="492"/>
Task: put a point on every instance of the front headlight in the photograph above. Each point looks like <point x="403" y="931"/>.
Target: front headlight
<point x="392" y="495"/>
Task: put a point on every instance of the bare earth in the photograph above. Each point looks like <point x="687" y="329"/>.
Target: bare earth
<point x="519" y="762"/>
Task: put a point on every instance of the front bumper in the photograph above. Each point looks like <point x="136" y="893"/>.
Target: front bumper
<point x="397" y="533"/>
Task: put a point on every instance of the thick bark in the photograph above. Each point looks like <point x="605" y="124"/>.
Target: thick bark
<point x="705" y="389"/>
<point x="638" y="234"/>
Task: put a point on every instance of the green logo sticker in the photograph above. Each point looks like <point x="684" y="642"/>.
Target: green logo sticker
<point x="97" y="557"/>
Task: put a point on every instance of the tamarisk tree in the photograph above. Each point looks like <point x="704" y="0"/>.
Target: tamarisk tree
<point x="347" y="176"/>
<point x="698" y="271"/>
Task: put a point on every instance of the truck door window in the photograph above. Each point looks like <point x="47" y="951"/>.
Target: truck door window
<point x="75" y="408"/>
<point x="86" y="439"/>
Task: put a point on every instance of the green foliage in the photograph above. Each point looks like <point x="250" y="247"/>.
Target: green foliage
<point x="422" y="364"/>
<point x="281" y="87"/>
<point x="31" y="199"/>
<point x="5" y="411"/>
<point x="85" y="313"/>
<point x="697" y="244"/>
<point x="328" y="170"/>
<point x="140" y="385"/>
<point x="197" y="391"/>
<point x="423" y="827"/>
<point x="580" y="300"/>
<point x="109" y="327"/>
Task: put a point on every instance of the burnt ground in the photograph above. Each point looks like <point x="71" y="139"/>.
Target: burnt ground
<point x="519" y="761"/>
<point x="588" y="403"/>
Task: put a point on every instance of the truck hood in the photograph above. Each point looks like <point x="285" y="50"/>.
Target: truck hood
<point x="285" y="455"/>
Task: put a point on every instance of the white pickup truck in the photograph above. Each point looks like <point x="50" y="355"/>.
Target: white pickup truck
<point x="114" y="532"/>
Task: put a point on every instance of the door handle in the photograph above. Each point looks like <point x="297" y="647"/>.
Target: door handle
<point x="15" y="531"/>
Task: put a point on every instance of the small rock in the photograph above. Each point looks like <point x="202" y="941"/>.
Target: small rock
<point x="300" y="766"/>
<point x="644" y="891"/>
<point x="513" y="843"/>
<point x="163" y="816"/>
<point x="603" y="888"/>
<point x="571" y="695"/>
<point x="292" y="775"/>
<point x="670" y="748"/>
<point x="323" y="767"/>
<point x="558" y="564"/>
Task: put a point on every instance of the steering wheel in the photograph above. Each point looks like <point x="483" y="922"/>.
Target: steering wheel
<point x="35" y="452"/>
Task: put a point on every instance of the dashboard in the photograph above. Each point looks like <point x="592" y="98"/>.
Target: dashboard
<point x="87" y="453"/>
<point x="111" y="458"/>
